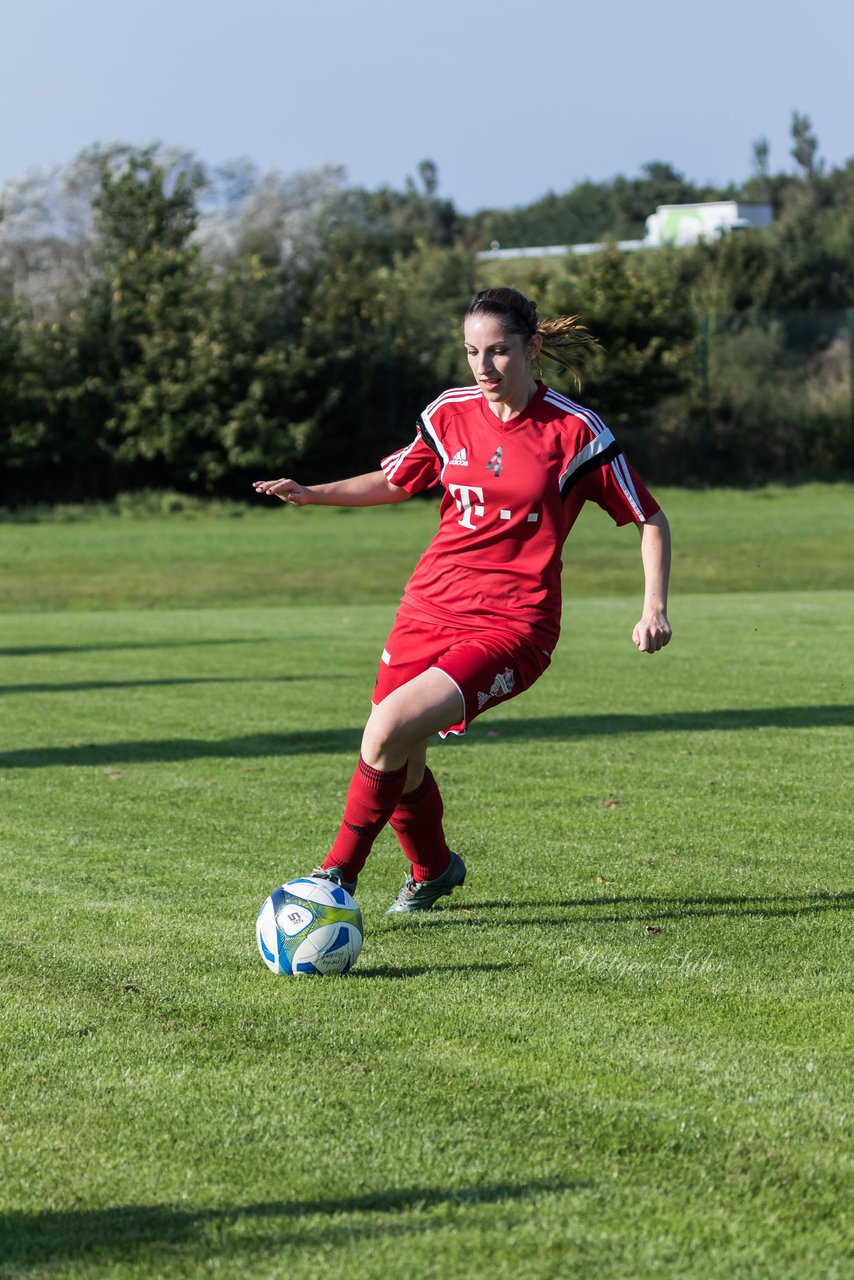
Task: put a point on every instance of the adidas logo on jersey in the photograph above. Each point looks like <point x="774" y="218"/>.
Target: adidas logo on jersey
<point x="459" y="459"/>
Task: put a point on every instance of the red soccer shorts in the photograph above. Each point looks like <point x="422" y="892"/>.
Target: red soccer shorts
<point x="488" y="668"/>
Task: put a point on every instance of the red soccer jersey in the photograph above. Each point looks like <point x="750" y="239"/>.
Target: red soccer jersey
<point x="513" y="491"/>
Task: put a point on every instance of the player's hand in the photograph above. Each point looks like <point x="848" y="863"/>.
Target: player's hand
<point x="288" y="490"/>
<point x="652" y="632"/>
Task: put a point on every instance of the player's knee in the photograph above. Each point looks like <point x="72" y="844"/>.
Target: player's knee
<point x="384" y="737"/>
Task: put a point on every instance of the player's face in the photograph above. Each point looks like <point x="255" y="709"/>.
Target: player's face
<point x="501" y="362"/>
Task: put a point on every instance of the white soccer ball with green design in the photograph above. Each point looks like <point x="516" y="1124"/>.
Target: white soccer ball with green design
<point x="309" y="927"/>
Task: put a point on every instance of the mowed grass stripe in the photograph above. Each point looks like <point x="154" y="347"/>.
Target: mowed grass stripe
<point x="800" y="538"/>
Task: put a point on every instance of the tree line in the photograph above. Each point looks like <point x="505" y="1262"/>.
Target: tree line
<point x="166" y="326"/>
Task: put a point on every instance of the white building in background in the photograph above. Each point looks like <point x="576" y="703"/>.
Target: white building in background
<point x="671" y="224"/>
<point x="684" y="224"/>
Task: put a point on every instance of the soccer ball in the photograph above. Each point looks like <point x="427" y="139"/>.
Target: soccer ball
<point x="309" y="926"/>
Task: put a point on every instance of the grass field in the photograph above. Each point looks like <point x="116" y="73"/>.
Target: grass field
<point x="622" y="1050"/>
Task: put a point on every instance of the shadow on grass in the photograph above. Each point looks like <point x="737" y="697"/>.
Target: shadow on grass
<point x="40" y="1238"/>
<point x="172" y="750"/>
<point x="638" y="908"/>
<point x="547" y="727"/>
<point x="89" y="686"/>
<point x="111" y="646"/>
<point x="325" y="741"/>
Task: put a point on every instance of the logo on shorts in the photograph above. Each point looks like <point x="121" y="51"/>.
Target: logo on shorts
<point x="502" y="687"/>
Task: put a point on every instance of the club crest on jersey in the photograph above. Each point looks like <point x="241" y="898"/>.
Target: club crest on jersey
<point x="495" y="465"/>
<point x="459" y="459"/>
<point x="502" y="687"/>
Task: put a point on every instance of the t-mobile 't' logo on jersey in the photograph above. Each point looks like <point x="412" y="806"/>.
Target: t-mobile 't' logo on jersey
<point x="469" y="500"/>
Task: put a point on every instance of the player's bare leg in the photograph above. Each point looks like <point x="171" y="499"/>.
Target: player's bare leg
<point x="416" y="765"/>
<point x="405" y="721"/>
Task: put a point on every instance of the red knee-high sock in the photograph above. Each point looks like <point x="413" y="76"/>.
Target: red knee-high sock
<point x="417" y="821"/>
<point x="371" y="799"/>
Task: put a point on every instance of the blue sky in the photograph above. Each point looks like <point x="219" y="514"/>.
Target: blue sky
<point x="511" y="99"/>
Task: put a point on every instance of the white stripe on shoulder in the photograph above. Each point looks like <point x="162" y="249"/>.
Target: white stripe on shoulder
<point x="452" y="395"/>
<point x="624" y="480"/>
<point x="592" y="419"/>
<point x="598" y="445"/>
<point x="393" y="461"/>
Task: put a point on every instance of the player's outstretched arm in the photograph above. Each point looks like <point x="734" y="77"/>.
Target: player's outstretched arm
<point x="653" y="631"/>
<point x="371" y="490"/>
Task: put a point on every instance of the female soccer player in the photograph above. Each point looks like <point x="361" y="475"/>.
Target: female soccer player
<point x="480" y="616"/>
